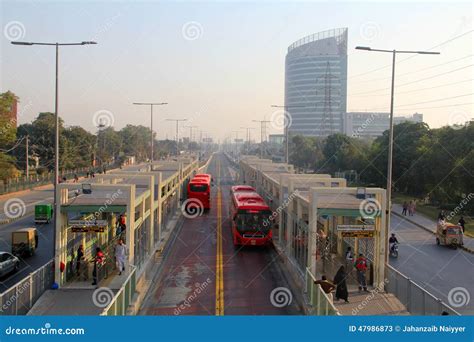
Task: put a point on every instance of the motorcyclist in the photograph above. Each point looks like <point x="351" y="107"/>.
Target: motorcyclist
<point x="392" y="241"/>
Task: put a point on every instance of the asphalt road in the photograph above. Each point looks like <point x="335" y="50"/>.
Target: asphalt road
<point x="438" y="269"/>
<point x="197" y="279"/>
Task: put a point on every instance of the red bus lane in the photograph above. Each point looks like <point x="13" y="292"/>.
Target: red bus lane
<point x="248" y="275"/>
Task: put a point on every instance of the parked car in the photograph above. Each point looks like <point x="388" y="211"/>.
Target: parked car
<point x="24" y="242"/>
<point x="8" y="263"/>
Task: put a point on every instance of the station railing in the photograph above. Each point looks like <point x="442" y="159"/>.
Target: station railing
<point x="120" y="302"/>
<point x="416" y="299"/>
<point x="319" y="302"/>
<point x="21" y="297"/>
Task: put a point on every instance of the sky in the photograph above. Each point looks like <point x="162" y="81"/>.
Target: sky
<point x="220" y="64"/>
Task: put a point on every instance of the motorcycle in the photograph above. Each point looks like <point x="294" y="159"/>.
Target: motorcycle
<point x="394" y="250"/>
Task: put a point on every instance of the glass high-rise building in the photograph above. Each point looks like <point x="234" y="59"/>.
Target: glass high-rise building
<point x="316" y="83"/>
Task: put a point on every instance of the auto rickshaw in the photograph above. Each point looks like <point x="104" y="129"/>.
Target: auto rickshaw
<point x="24" y="242"/>
<point x="43" y="213"/>
<point x="449" y="234"/>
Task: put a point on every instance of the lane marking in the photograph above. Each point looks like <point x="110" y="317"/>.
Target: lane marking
<point x="219" y="258"/>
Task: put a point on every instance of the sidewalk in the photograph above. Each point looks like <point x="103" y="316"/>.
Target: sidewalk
<point x="429" y="225"/>
<point x="374" y="302"/>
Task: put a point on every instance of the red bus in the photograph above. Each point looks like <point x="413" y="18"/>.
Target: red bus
<point x="251" y="224"/>
<point x="242" y="188"/>
<point x="199" y="189"/>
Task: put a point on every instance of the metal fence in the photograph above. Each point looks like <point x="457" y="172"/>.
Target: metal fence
<point x="320" y="303"/>
<point x="25" y="183"/>
<point x="21" y="297"/>
<point x="122" y="299"/>
<point x="417" y="300"/>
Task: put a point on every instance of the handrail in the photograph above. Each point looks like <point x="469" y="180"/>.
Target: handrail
<point x="105" y="311"/>
<point x="29" y="275"/>
<point x="315" y="303"/>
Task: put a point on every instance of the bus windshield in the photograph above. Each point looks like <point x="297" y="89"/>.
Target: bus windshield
<point x="198" y="187"/>
<point x="258" y="221"/>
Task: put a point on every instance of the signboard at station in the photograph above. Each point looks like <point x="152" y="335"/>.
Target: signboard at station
<point x="355" y="227"/>
<point x="358" y="234"/>
<point x="356" y="230"/>
<point x="86" y="226"/>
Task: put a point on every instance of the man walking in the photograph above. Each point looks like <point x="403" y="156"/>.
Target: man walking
<point x="361" y="266"/>
<point x="120" y="256"/>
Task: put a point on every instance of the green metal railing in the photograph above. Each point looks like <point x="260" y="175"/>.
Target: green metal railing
<point x="122" y="299"/>
<point x="320" y="303"/>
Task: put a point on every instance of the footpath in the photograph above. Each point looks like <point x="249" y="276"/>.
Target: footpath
<point x="429" y="225"/>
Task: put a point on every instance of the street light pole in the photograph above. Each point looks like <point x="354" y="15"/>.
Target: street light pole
<point x="248" y="137"/>
<point x="177" y="132"/>
<point x="390" y="133"/>
<point x="262" y="124"/>
<point x="151" y="104"/>
<point x="56" y="114"/>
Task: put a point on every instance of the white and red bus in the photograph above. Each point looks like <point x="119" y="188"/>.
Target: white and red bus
<point x="241" y="188"/>
<point x="199" y="189"/>
<point x="250" y="216"/>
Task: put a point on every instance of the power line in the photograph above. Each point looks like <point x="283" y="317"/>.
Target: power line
<point x="415" y="81"/>
<point x="413" y="56"/>
<point x="15" y="146"/>
<point x="415" y="71"/>
<point x="421" y="89"/>
<point x="443" y="99"/>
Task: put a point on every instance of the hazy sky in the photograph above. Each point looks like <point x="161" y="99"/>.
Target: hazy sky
<point x="221" y="64"/>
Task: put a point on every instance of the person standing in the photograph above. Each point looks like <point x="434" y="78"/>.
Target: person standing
<point x="120" y="256"/>
<point x="349" y="258"/>
<point x="462" y="223"/>
<point x="405" y="207"/>
<point x="361" y="266"/>
<point x="79" y="258"/>
<point x="98" y="262"/>
<point x="341" y="285"/>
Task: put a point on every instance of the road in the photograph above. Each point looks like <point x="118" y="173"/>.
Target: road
<point x="438" y="269"/>
<point x="202" y="273"/>
<point x="43" y="254"/>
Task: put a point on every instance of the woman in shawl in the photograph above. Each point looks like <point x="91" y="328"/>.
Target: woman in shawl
<point x="341" y="286"/>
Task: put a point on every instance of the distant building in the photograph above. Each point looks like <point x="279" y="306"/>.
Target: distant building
<point x="371" y="125"/>
<point x="316" y="83"/>
<point x="276" y="139"/>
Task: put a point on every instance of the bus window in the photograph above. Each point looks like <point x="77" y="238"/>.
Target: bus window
<point x="198" y="187"/>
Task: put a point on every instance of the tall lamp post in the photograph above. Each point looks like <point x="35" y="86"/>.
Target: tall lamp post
<point x="263" y="124"/>
<point x="56" y="116"/>
<point x="247" y="137"/>
<point x="390" y="138"/>
<point x="285" y="128"/>
<point x="177" y="132"/>
<point x="151" y="104"/>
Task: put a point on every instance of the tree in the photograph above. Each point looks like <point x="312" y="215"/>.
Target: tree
<point x="7" y="135"/>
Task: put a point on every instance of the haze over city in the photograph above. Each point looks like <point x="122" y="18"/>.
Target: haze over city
<point x="221" y="64"/>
